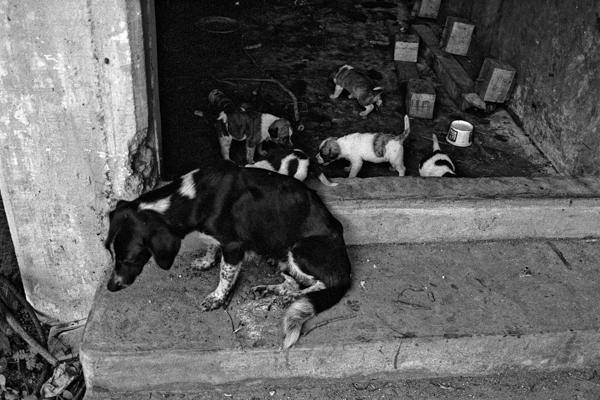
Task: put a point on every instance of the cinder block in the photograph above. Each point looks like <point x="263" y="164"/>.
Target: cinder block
<point x="406" y="47"/>
<point x="495" y="80"/>
<point x="456" y="36"/>
<point x="427" y="8"/>
<point x="420" y="98"/>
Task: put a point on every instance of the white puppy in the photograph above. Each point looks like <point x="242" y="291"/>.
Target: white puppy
<point x="360" y="147"/>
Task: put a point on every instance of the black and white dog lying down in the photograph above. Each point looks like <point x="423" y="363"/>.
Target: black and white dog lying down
<point x="292" y="162"/>
<point x="244" y="210"/>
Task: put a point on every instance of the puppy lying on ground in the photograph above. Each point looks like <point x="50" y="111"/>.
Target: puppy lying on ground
<point x="360" y="86"/>
<point x="291" y="162"/>
<point x="372" y="147"/>
<point x="243" y="210"/>
<point x="244" y="124"/>
<point x="436" y="163"/>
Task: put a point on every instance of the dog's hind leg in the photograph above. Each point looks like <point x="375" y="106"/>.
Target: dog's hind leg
<point x="231" y="264"/>
<point x="288" y="288"/>
<point x="225" y="144"/>
<point x="324" y="263"/>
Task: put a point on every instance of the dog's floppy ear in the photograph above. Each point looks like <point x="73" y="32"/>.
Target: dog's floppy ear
<point x="164" y="247"/>
<point x="116" y="218"/>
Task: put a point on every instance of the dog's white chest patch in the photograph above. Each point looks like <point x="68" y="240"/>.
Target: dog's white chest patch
<point x="160" y="206"/>
<point x="188" y="186"/>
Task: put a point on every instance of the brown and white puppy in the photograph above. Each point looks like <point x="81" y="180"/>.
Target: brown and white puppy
<point x="437" y="163"/>
<point x="243" y="211"/>
<point x="360" y="86"/>
<point x="372" y="147"/>
<point x="291" y="162"/>
<point x="253" y="127"/>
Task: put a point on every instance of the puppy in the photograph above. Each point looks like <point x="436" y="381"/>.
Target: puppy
<point x="244" y="211"/>
<point x="359" y="147"/>
<point x="245" y="124"/>
<point x="291" y="162"/>
<point x="360" y="86"/>
<point x="253" y="127"/>
<point x="436" y="163"/>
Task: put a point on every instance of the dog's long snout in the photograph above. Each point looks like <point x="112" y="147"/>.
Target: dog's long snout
<point x="116" y="283"/>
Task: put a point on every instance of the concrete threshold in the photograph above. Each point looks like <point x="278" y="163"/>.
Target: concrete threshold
<point x="415" y="310"/>
<point x="414" y="210"/>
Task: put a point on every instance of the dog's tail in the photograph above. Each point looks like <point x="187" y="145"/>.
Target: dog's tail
<point x="406" y="128"/>
<point x="307" y="307"/>
<point x="436" y="144"/>
<point x="334" y="274"/>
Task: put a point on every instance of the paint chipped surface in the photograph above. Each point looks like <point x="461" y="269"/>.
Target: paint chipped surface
<point x="65" y="123"/>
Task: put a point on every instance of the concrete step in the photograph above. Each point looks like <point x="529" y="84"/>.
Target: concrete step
<point x="415" y="310"/>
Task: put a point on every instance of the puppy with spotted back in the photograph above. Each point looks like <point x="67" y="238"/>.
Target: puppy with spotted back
<point x="243" y="211"/>
<point x="360" y="87"/>
<point x="359" y="147"/>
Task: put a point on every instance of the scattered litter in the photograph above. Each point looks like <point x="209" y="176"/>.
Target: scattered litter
<point x="62" y="376"/>
<point x="227" y="395"/>
<point x="199" y="113"/>
<point x="362" y="284"/>
<point x="526" y="272"/>
<point x="253" y="46"/>
<point x="374" y="266"/>
<point x="272" y="393"/>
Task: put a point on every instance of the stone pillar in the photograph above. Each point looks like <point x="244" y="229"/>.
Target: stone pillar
<point x="74" y="138"/>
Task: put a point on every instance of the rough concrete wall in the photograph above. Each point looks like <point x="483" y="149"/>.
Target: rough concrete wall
<point x="71" y="111"/>
<point x="555" y="46"/>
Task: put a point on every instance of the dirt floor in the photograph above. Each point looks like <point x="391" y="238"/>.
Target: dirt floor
<point x="301" y="46"/>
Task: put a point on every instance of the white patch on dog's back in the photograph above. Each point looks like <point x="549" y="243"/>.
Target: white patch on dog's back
<point x="266" y="120"/>
<point x="263" y="164"/>
<point x="188" y="185"/>
<point x="160" y="206"/>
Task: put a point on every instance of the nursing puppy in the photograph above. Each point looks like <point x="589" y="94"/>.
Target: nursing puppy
<point x="436" y="163"/>
<point x="372" y="147"/>
<point x="291" y="162"/>
<point x="243" y="211"/>
<point x="360" y="86"/>
<point x="253" y="127"/>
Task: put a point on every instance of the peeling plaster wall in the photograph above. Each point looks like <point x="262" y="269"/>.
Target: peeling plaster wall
<point x="72" y="108"/>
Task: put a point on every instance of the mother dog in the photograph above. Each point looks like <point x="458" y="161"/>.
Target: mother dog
<point x="243" y="210"/>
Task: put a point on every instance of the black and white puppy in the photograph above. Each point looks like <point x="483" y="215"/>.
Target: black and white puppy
<point x="360" y="86"/>
<point x="244" y="211"/>
<point x="291" y="162"/>
<point x="436" y="163"/>
<point x="359" y="147"/>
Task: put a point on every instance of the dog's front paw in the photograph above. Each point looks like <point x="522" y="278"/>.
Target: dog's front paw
<point x="212" y="302"/>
